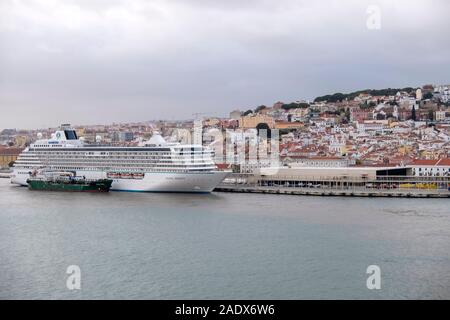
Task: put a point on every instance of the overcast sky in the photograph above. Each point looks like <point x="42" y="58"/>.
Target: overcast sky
<point x="92" y="61"/>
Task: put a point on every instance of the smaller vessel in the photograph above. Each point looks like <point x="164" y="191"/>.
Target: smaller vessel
<point x="68" y="182"/>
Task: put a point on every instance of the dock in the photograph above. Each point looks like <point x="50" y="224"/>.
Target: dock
<point x="399" y="187"/>
<point x="334" y="192"/>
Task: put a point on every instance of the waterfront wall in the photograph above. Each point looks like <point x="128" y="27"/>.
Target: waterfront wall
<point x="396" y="186"/>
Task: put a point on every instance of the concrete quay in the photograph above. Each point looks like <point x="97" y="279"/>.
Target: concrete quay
<point x="352" y="192"/>
<point x="5" y="175"/>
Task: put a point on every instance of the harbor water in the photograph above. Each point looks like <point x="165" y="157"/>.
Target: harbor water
<point x="221" y="246"/>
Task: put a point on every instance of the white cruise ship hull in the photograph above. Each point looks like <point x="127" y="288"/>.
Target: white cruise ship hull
<point x="152" y="181"/>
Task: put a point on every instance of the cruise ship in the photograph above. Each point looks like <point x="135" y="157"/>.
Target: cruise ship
<point x="154" y="166"/>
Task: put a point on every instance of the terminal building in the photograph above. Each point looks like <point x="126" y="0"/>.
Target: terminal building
<point x="350" y="177"/>
<point x="440" y="167"/>
<point x="327" y="173"/>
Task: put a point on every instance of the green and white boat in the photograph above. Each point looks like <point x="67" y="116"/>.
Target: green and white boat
<point x="69" y="183"/>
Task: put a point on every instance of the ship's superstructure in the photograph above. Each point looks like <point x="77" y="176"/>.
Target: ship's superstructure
<point x="156" y="166"/>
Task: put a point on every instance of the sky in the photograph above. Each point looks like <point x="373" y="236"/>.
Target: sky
<point x="95" y="62"/>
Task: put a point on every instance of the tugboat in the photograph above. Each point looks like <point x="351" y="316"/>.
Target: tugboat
<point x="68" y="182"/>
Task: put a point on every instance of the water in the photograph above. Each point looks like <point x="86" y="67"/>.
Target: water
<point x="221" y="246"/>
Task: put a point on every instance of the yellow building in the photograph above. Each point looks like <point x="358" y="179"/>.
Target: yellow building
<point x="249" y="122"/>
<point x="80" y="132"/>
<point x="289" y="125"/>
<point x="7" y="155"/>
<point x="404" y="149"/>
<point x="20" y="141"/>
<point x="211" y="122"/>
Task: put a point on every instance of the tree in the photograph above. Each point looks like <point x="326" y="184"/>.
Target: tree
<point x="332" y="98"/>
<point x="427" y="96"/>
<point x="347" y="114"/>
<point x="246" y="113"/>
<point x="258" y="109"/>
<point x="11" y="164"/>
<point x="303" y="105"/>
<point x="413" y="113"/>
<point x="295" y="105"/>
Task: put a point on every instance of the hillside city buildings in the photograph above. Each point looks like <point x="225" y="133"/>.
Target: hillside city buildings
<point x="407" y="127"/>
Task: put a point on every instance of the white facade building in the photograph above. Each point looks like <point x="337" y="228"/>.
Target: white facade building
<point x="431" y="168"/>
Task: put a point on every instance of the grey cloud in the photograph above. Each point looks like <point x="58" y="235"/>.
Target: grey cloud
<point x="103" y="61"/>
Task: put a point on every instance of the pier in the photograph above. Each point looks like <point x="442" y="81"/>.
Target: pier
<point x="386" y="186"/>
<point x="5" y="175"/>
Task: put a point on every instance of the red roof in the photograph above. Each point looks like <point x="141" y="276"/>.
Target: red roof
<point x="326" y="158"/>
<point x="10" y="151"/>
<point x="222" y="166"/>
<point x="444" y="162"/>
<point x="426" y="162"/>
